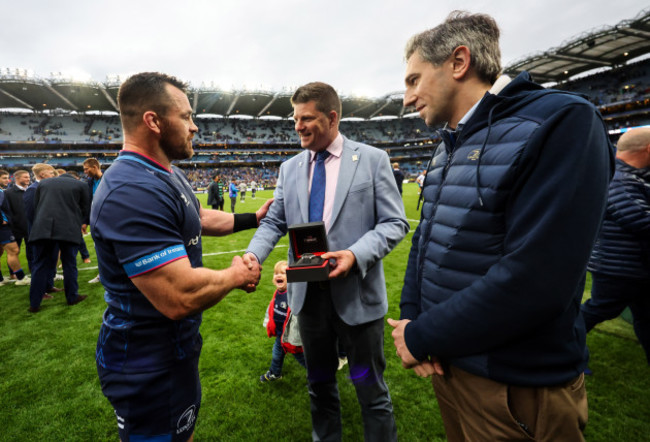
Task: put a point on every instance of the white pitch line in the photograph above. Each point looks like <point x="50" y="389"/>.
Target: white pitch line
<point x="236" y="251"/>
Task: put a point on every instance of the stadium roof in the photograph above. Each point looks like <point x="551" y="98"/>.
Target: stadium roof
<point x="605" y="47"/>
<point x="20" y="90"/>
<point x="600" y="48"/>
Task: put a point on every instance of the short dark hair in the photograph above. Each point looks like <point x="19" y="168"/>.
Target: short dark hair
<point x="479" y="32"/>
<point x="4" y="172"/>
<point x="144" y="92"/>
<point x="91" y="162"/>
<point x="322" y="94"/>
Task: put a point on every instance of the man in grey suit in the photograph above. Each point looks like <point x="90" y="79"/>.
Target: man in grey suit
<point x="364" y="218"/>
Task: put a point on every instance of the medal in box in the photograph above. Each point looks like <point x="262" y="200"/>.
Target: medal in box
<point x="308" y="242"/>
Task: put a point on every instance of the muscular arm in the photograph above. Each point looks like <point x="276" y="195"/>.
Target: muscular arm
<point x="178" y="290"/>
<point x="216" y="222"/>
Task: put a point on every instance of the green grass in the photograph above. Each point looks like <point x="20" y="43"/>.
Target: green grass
<point x="49" y="388"/>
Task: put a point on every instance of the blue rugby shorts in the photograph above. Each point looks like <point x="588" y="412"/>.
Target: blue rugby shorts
<point x="156" y="406"/>
<point x="6" y="235"/>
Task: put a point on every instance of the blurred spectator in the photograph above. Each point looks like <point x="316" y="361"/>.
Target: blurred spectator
<point x="620" y="261"/>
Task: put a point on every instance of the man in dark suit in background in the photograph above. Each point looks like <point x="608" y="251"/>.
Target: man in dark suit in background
<point x="41" y="171"/>
<point x="399" y="177"/>
<point x="215" y="193"/>
<point x="61" y="205"/>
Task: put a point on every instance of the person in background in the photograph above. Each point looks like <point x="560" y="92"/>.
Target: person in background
<point x="215" y="193"/>
<point x="232" y="193"/>
<point x="7" y="239"/>
<point x="14" y="196"/>
<point x="399" y="177"/>
<point x="277" y="316"/>
<point x="242" y="191"/>
<point x="61" y="206"/>
<point x="620" y="261"/>
<point x="41" y="172"/>
<point x="420" y="180"/>
<point x="93" y="170"/>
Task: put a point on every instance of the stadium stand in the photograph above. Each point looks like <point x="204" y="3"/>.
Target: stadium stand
<point x="248" y="134"/>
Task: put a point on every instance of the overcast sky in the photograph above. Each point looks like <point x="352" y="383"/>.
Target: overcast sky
<point x="357" y="46"/>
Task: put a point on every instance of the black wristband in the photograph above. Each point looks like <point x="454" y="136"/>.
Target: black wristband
<point x="244" y="221"/>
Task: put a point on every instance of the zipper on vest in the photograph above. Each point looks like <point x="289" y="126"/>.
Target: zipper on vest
<point x="450" y="154"/>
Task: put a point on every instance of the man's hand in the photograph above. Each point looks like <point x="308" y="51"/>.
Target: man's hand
<point x="261" y="212"/>
<point x="425" y="368"/>
<point x="249" y="270"/>
<point x="345" y="260"/>
<point x="83" y="229"/>
<point x="250" y="260"/>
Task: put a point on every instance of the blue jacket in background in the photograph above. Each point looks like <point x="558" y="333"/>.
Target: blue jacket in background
<point x="623" y="246"/>
<point x="511" y="211"/>
<point x="232" y="190"/>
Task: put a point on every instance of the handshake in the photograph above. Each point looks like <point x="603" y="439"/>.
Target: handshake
<point x="247" y="271"/>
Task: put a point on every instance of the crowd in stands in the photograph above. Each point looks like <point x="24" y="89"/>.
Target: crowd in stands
<point x="91" y="129"/>
<point x="261" y="145"/>
<point x="46" y="128"/>
<point x="625" y="83"/>
<point x="201" y="177"/>
<point x="237" y="131"/>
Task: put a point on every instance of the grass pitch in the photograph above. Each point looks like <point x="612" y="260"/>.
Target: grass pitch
<point x="49" y="388"/>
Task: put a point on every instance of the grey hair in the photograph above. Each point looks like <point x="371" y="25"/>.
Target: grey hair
<point x="479" y="32"/>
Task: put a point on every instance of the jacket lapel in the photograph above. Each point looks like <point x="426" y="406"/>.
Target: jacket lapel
<point x="350" y="158"/>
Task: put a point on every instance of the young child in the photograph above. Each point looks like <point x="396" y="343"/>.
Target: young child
<point x="276" y="322"/>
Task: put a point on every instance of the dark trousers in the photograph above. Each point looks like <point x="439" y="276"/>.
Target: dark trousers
<point x="30" y="252"/>
<point x="218" y="206"/>
<point x="609" y="297"/>
<point x="45" y="258"/>
<point x="233" y="201"/>
<point x="321" y="330"/>
<point x="83" y="250"/>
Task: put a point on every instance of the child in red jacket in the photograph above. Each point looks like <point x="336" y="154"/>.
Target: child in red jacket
<point x="277" y="318"/>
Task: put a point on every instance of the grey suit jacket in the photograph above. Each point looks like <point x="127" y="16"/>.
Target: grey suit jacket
<point x="367" y="218"/>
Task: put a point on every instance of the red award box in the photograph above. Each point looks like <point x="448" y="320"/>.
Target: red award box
<point x="308" y="242"/>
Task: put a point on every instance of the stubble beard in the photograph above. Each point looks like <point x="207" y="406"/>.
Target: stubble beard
<point x="173" y="147"/>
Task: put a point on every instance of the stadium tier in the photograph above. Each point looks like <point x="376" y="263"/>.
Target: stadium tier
<point x="63" y="122"/>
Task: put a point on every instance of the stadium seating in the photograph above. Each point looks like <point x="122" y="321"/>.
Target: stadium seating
<point x="253" y="148"/>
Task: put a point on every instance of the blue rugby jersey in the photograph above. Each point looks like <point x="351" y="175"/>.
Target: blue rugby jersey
<point x="4" y="208"/>
<point x="143" y="217"/>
